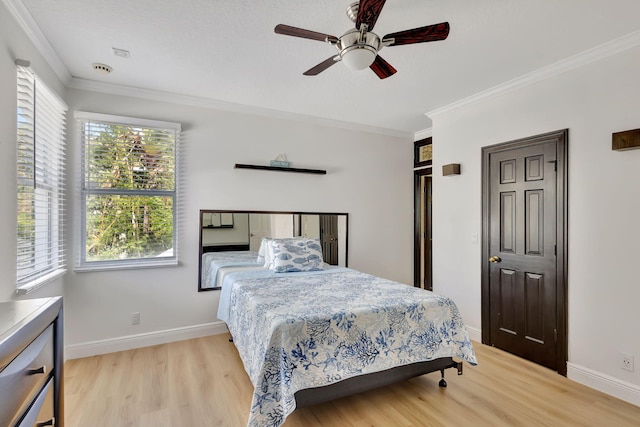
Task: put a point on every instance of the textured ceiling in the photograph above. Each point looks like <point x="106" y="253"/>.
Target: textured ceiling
<point x="226" y="50"/>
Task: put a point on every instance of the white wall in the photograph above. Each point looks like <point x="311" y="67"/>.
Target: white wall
<point x="237" y="235"/>
<point x="368" y="175"/>
<point x="604" y="204"/>
<point x="15" y="45"/>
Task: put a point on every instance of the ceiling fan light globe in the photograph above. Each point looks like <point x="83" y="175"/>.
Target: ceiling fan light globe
<point x="358" y="57"/>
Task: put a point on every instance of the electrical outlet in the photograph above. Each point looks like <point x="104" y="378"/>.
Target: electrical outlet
<point x="626" y="361"/>
<point x="135" y="318"/>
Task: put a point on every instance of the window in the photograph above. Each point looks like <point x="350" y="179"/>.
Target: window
<point x="129" y="196"/>
<point x="40" y="182"/>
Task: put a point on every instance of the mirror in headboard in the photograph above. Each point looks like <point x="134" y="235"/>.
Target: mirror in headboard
<point x="232" y="238"/>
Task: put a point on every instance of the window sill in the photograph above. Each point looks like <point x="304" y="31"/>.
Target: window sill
<point x="108" y="266"/>
<point x="40" y="282"/>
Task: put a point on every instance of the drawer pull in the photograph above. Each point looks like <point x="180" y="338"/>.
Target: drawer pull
<point x="51" y="422"/>
<point x="41" y="370"/>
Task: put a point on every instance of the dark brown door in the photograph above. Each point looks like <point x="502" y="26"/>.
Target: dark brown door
<point x="427" y="261"/>
<point x="329" y="238"/>
<point x="423" y="264"/>
<point x="522" y="254"/>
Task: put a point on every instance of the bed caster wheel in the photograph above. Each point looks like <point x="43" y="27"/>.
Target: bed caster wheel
<point x="442" y="383"/>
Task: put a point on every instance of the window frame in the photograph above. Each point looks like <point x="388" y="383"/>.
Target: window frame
<point x="82" y="264"/>
<point x="40" y="134"/>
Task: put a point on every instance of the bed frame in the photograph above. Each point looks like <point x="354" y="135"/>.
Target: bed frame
<point x="359" y="384"/>
<point x="362" y="383"/>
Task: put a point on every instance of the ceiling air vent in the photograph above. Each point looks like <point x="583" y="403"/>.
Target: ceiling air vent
<point x="102" y="68"/>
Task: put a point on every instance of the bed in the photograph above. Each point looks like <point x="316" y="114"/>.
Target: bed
<point x="216" y="264"/>
<point x="310" y="336"/>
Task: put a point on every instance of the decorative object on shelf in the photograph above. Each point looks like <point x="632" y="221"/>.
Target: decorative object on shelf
<point x="451" y="169"/>
<point x="280" y="161"/>
<point x="626" y="140"/>
<point x="422" y="154"/>
<point x="280" y="169"/>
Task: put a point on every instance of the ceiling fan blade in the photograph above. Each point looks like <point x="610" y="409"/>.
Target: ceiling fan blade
<point x="368" y="13"/>
<point x="430" y="33"/>
<point x="314" y="71"/>
<point x="288" y="30"/>
<point x="382" y="68"/>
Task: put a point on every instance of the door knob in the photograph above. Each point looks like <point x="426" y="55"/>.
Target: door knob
<point x="495" y="258"/>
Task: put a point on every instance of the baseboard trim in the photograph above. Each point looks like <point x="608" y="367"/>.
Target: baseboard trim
<point x="604" y="383"/>
<point x="474" y="334"/>
<point x="94" y="348"/>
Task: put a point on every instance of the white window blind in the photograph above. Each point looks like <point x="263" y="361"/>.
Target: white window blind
<point x="129" y="192"/>
<point x="41" y="120"/>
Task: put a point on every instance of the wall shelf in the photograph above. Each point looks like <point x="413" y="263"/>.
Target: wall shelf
<point x="280" y="169"/>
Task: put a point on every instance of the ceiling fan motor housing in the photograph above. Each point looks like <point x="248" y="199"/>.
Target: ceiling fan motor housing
<point x="358" y="51"/>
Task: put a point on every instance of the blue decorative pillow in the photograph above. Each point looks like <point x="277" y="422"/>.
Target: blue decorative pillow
<point x="296" y="254"/>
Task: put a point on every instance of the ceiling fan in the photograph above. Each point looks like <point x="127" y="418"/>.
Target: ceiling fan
<point x="358" y="48"/>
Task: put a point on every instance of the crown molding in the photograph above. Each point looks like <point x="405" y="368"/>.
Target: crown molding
<point x="422" y="134"/>
<point x="37" y="37"/>
<point x="589" y="56"/>
<point x="35" y="34"/>
<point x="194" y="101"/>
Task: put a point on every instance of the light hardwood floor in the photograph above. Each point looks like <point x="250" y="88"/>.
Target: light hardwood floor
<point x="202" y="382"/>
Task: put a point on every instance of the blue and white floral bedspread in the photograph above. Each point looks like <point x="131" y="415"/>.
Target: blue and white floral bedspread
<point x="297" y="331"/>
<point x="224" y="305"/>
<point x="212" y="262"/>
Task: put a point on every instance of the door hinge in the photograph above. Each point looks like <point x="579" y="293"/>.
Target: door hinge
<point x="555" y="165"/>
<point x="555" y="249"/>
<point x="555" y="335"/>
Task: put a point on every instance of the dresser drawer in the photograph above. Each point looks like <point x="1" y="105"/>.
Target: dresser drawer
<point x="41" y="413"/>
<point x="23" y="378"/>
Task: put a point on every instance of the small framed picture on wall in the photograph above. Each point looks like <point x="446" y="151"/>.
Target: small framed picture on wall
<point x="422" y="153"/>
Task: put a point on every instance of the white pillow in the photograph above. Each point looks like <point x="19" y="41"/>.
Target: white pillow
<point x="296" y="254"/>
<point x="268" y="254"/>
<point x="262" y="252"/>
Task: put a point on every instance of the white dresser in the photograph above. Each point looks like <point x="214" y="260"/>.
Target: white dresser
<point x="31" y="360"/>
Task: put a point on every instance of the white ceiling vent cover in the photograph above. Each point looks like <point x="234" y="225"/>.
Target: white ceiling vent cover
<point x="102" y="68"/>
